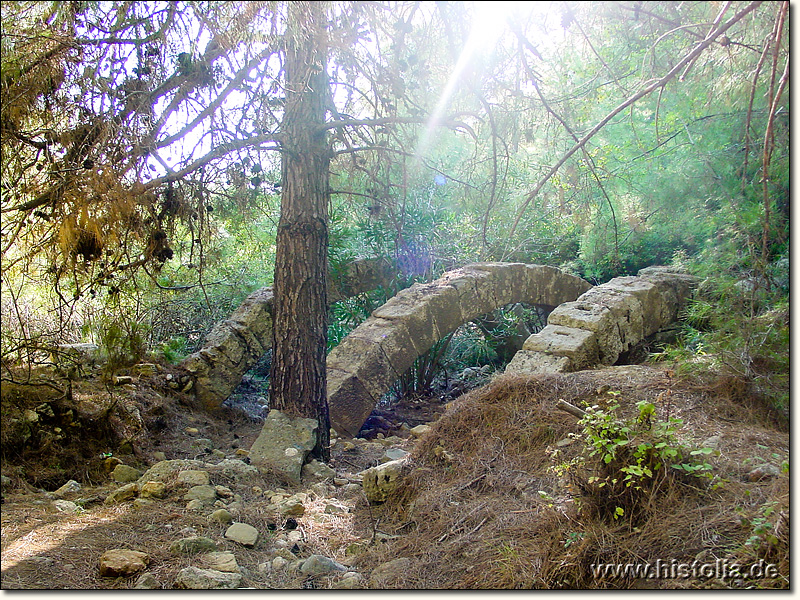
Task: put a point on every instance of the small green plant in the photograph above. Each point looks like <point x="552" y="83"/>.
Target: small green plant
<point x="624" y="461"/>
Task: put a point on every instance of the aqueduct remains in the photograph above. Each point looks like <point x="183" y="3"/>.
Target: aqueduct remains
<point x="589" y="326"/>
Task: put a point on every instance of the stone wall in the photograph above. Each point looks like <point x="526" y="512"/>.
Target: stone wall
<point x="604" y="322"/>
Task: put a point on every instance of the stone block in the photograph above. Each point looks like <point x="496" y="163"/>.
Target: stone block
<point x="530" y="362"/>
<point x="349" y="402"/>
<point x="284" y="443"/>
<point x="579" y="345"/>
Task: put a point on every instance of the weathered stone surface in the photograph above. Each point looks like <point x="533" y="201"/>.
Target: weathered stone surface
<point x="66" y="506"/>
<point x="317" y="564"/>
<point x="530" y="362"/>
<point x="393" y="454"/>
<point x="204" y="493"/>
<point x="166" y="469"/>
<point x="316" y="471"/>
<point x="194" y="477"/>
<point x="221" y="516"/>
<point x="125" y="474"/>
<point x="123" y="494"/>
<point x="284" y="443"/>
<point x="122" y="563"/>
<point x="70" y="487"/>
<point x="604" y="322"/>
<point x="237" y="470"/>
<point x="193" y="545"/>
<point x="579" y="345"/>
<point x="193" y="578"/>
<point x="419" y="430"/>
<point x="550" y="286"/>
<point x="243" y="534"/>
<point x="153" y="489"/>
<point x="383" y="480"/>
<point x="221" y="561"/>
<point x="147" y="581"/>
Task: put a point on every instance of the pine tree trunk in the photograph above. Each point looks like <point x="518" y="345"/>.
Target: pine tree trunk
<point x="297" y="382"/>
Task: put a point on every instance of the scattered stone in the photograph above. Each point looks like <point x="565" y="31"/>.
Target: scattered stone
<point x="335" y="509"/>
<point x="243" y="534"/>
<point x="142" y="502"/>
<point x="389" y="571"/>
<point x="159" y="456"/>
<point x="713" y="442"/>
<point x="284" y="443"/>
<point x="317" y="470"/>
<point x="125" y="474"/>
<point x="349" y="581"/>
<point x="292" y="507"/>
<point x="192" y="431"/>
<point x="217" y="453"/>
<point x="317" y="564"/>
<point x="766" y="471"/>
<point x="68" y="488"/>
<point x="340" y="481"/>
<point x="204" y="493"/>
<point x="381" y="481"/>
<point x="123" y="380"/>
<point x="221" y="561"/>
<point x="193" y="545"/>
<point x="194" y="477"/>
<point x="46" y="410"/>
<point x="221" y="516"/>
<point x="242" y="452"/>
<point x="347" y="446"/>
<point x="122" y="563"/>
<point x="223" y="492"/>
<point x="393" y="454"/>
<point x="30" y="416"/>
<point x="164" y="470"/>
<point x="196" y="506"/>
<point x="147" y="581"/>
<point x="420" y="430"/>
<point x="123" y="494"/>
<point x="192" y="578"/>
<point x="279" y="563"/>
<point x="66" y="506"/>
<point x="153" y="489"/>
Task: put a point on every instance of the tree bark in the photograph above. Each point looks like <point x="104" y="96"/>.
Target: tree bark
<point x="298" y="382"/>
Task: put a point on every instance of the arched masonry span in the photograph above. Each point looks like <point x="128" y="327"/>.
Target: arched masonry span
<point x="604" y="322"/>
<point x="368" y="361"/>
<point x="234" y="345"/>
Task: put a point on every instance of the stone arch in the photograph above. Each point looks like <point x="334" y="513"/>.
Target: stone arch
<point x="369" y="360"/>
<point x="234" y="345"/>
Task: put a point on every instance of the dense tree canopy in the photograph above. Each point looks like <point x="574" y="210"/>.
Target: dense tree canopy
<point x="145" y="148"/>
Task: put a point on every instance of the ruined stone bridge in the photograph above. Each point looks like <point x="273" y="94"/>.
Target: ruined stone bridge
<point x="590" y="326"/>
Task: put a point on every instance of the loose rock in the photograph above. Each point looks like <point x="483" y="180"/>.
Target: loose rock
<point x="153" y="489"/>
<point x="192" y="578"/>
<point x="122" y="563"/>
<point x="194" y="477"/>
<point x="243" y="534"/>
<point x="126" y="492"/>
<point x="193" y="545"/>
<point x="125" y="474"/>
<point x="317" y="564"/>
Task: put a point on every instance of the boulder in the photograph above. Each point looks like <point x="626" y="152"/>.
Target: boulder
<point x="122" y="563"/>
<point x="70" y="487"/>
<point x="284" y="444"/>
<point x="204" y="493"/>
<point x="221" y="516"/>
<point x="166" y="469"/>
